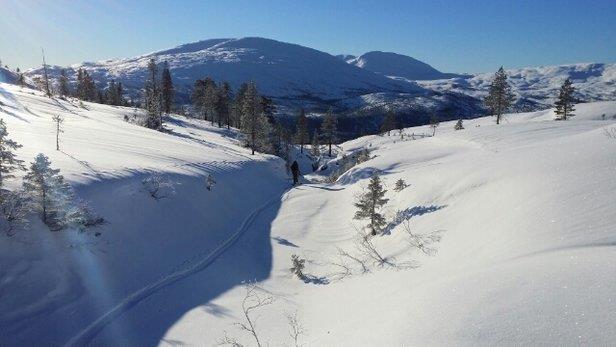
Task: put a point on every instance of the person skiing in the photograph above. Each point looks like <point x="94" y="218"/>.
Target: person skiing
<point x="295" y="171"/>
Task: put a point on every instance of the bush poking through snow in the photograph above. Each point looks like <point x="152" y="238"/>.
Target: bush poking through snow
<point x="423" y="242"/>
<point x="298" y="266"/>
<point x="610" y="132"/>
<point x="254" y="299"/>
<point x="459" y="125"/>
<point x="400" y="185"/>
<point x="158" y="186"/>
<point x="370" y="203"/>
<point x="295" y="328"/>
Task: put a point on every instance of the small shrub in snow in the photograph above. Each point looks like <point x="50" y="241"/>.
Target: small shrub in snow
<point x="58" y="120"/>
<point x="400" y="185"/>
<point x="158" y="186"/>
<point x="369" y="204"/>
<point x="295" y="328"/>
<point x="458" y="125"/>
<point x="423" y="242"/>
<point x="610" y="132"/>
<point x="297" y="267"/>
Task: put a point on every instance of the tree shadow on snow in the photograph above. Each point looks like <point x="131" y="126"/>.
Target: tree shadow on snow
<point x="409" y="213"/>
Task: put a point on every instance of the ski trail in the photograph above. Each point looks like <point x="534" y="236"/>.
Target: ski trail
<point x="85" y="335"/>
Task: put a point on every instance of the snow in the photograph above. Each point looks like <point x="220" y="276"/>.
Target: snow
<point x="393" y="64"/>
<point x="525" y="210"/>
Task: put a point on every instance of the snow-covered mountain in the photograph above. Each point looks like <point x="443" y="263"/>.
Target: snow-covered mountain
<point x="360" y="88"/>
<point x="393" y="64"/>
<point x="287" y="72"/>
<point x="537" y="87"/>
<point x="520" y="215"/>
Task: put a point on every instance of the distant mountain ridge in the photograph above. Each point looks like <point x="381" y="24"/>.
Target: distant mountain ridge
<point x="361" y="87"/>
<point x="393" y="64"/>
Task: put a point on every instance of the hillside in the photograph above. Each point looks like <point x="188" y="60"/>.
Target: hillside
<point x="524" y="211"/>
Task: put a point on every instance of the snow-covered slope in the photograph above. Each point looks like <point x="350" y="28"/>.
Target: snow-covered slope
<point x="55" y="287"/>
<point x="281" y="70"/>
<point x="537" y="87"/>
<point x="527" y="256"/>
<point x="393" y="64"/>
<point x="525" y="211"/>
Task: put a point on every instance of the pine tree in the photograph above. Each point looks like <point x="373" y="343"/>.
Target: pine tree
<point x="63" y="86"/>
<point x="224" y="101"/>
<point x="254" y="125"/>
<point x="370" y="203"/>
<point x="21" y="80"/>
<point x="329" y="130"/>
<point x="168" y="92"/>
<point x="499" y="97"/>
<point x="458" y="125"/>
<point x="50" y="194"/>
<point x="565" y="103"/>
<point x="198" y="96"/>
<point x="389" y="123"/>
<point x="301" y="135"/>
<point x="400" y="185"/>
<point x="152" y="97"/>
<point x="8" y="161"/>
<point x="210" y="100"/>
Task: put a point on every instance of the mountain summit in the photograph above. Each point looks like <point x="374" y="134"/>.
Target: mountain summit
<point x="398" y="65"/>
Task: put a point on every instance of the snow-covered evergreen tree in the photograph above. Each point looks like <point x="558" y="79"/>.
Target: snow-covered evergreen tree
<point x="8" y="161"/>
<point x="297" y="267"/>
<point x="565" y="103"/>
<point x="167" y="89"/>
<point x="499" y="97"/>
<point x="152" y="97"/>
<point x="329" y="130"/>
<point x="50" y="195"/>
<point x="301" y="135"/>
<point x="369" y="205"/>
<point x="434" y="123"/>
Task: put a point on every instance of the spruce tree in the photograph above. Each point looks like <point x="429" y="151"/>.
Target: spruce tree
<point x="369" y="205"/>
<point x="301" y="135"/>
<point x="198" y="96"/>
<point x="224" y="102"/>
<point x="63" y="86"/>
<point x="254" y="124"/>
<point x="565" y="103"/>
<point x="152" y="97"/>
<point x="389" y="123"/>
<point x="434" y="123"/>
<point x="499" y="97"/>
<point x="8" y="161"/>
<point x="329" y="130"/>
<point x="168" y="92"/>
<point x="458" y="125"/>
<point x="50" y="194"/>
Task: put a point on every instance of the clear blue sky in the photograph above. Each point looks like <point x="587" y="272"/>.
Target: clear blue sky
<point x="453" y="36"/>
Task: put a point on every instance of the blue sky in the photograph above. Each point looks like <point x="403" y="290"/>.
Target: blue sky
<point x="453" y="36"/>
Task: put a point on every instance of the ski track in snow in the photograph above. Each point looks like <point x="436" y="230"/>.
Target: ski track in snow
<point x="133" y="299"/>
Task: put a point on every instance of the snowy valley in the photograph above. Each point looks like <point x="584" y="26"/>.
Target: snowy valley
<point x="501" y="234"/>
